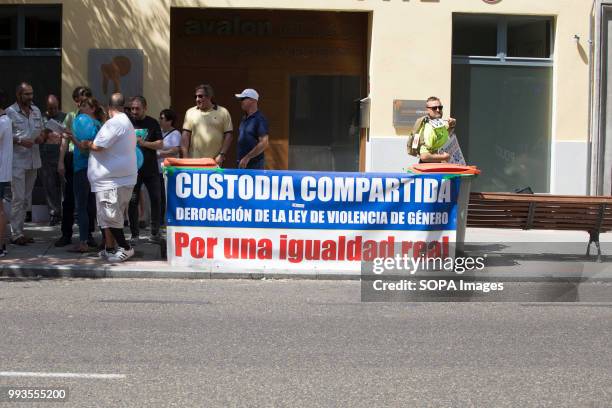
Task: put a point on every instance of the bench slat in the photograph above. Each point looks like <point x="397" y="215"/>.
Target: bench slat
<point x="541" y="198"/>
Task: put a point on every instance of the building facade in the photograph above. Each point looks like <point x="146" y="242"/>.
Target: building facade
<point x="340" y="79"/>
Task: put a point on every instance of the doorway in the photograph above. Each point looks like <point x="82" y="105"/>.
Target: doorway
<point x="322" y="132"/>
<point x="308" y="67"/>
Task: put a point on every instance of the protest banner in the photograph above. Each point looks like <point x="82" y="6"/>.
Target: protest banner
<point x="307" y="222"/>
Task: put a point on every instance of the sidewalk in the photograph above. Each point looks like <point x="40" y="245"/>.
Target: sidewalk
<point x="43" y="258"/>
<point x="511" y="255"/>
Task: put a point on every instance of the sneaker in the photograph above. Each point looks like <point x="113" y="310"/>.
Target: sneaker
<point x="54" y="221"/>
<point x="63" y="241"/>
<point x="154" y="239"/>
<point x="104" y="254"/>
<point x="3" y="253"/>
<point x="134" y="240"/>
<point x="121" y="255"/>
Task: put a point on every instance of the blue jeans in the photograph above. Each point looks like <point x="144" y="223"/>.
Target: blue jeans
<point x="4" y="185"/>
<point x="256" y="164"/>
<point x="85" y="202"/>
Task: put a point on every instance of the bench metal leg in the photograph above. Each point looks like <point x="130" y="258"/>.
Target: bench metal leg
<point x="594" y="238"/>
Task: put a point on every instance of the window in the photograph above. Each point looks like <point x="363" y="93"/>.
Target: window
<point x="24" y="28"/>
<point x="475" y="35"/>
<point x="8" y="28"/>
<point x="529" y="38"/>
<point x="43" y="27"/>
<point x="502" y="98"/>
<point x="30" y="49"/>
<point x="502" y="36"/>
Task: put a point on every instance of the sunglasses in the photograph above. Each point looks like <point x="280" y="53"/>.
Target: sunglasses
<point x="434" y="108"/>
<point x="199" y="96"/>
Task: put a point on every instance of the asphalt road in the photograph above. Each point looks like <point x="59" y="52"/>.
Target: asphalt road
<point x="207" y="343"/>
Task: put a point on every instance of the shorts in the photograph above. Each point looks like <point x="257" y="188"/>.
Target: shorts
<point x="111" y="206"/>
<point x="4" y="186"/>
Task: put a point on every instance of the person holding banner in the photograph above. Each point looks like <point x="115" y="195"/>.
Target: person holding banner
<point x="434" y="132"/>
<point x="253" y="137"/>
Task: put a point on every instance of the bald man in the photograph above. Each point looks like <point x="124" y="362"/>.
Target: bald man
<point x="49" y="156"/>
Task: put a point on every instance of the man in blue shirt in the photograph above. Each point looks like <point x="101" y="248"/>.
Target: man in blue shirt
<point x="253" y="137"/>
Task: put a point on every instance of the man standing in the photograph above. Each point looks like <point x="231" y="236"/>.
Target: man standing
<point x="6" y="164"/>
<point x="64" y="169"/>
<point x="253" y="138"/>
<point x="207" y="128"/>
<point x="149" y="139"/>
<point x="112" y="173"/>
<point x="434" y="132"/>
<point x="49" y="156"/>
<point x="27" y="135"/>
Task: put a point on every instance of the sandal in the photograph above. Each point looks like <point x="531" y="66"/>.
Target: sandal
<point x="80" y="248"/>
<point x="20" y="241"/>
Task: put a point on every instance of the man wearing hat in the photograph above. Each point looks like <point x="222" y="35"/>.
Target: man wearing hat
<point x="253" y="136"/>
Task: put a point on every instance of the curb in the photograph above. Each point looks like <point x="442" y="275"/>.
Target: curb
<point x="108" y="271"/>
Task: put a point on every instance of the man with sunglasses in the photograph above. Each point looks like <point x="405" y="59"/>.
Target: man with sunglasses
<point x="434" y="132"/>
<point x="149" y="139"/>
<point x="207" y="128"/>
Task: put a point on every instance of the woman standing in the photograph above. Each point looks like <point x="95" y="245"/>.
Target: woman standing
<point x="172" y="141"/>
<point x="84" y="128"/>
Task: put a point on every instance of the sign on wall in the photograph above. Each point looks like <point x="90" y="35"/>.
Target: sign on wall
<point x="304" y="222"/>
<point x="115" y="70"/>
<point x="406" y="112"/>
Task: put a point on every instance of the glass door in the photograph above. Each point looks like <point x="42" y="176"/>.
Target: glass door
<point x="323" y="135"/>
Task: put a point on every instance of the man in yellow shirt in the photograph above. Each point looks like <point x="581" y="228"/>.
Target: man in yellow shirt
<point x="207" y="128"/>
<point x="435" y="133"/>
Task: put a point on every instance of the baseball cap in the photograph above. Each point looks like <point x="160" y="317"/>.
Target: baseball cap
<point x="248" y="93"/>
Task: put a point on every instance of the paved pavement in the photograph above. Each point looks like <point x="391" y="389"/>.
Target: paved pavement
<point x="511" y="255"/>
<point x="296" y="343"/>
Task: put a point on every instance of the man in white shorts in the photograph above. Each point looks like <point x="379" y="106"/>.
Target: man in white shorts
<point x="112" y="173"/>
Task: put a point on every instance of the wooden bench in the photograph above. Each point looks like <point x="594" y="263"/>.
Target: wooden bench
<point x="592" y="214"/>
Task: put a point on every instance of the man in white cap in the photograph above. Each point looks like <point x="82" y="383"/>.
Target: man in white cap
<point x="253" y="137"/>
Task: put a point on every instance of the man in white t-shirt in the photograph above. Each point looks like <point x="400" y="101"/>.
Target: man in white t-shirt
<point x="112" y="173"/>
<point x="6" y="166"/>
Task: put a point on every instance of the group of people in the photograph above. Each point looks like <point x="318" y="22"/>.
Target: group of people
<point x="100" y="158"/>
